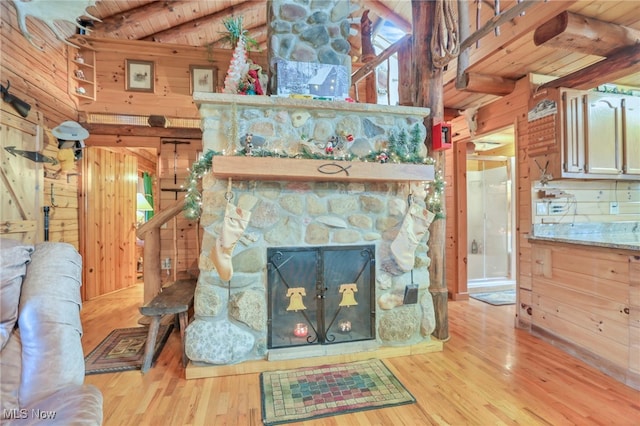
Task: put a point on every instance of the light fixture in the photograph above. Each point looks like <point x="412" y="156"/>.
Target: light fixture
<point x="142" y="204"/>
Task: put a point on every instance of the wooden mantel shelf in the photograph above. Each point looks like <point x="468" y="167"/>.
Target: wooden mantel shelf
<point x="223" y="100"/>
<point x="291" y="169"/>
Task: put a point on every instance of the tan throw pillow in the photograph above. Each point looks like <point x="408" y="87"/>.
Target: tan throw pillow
<point x="14" y="256"/>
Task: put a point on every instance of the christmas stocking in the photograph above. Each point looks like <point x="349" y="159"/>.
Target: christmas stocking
<point x="234" y="223"/>
<point x="414" y="226"/>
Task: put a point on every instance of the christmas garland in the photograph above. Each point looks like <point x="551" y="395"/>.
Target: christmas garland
<point x="401" y="151"/>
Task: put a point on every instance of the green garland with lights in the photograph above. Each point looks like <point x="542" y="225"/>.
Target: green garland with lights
<point x="401" y="150"/>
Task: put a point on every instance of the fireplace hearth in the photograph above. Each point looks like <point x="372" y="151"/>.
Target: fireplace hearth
<point x="320" y="295"/>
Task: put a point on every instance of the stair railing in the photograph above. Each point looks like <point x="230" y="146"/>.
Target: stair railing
<point x="149" y="232"/>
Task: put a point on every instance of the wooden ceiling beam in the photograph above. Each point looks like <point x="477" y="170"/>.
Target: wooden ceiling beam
<point x="215" y="20"/>
<point x="491" y="47"/>
<point x="487" y="84"/>
<point x="581" y="34"/>
<point x="622" y="62"/>
<point x="115" y="23"/>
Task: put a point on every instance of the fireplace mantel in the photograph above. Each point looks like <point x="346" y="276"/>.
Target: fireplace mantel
<point x="225" y="100"/>
<point x="283" y="123"/>
<point x="287" y="169"/>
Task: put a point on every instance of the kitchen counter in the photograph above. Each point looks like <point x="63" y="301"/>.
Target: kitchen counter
<point x="615" y="235"/>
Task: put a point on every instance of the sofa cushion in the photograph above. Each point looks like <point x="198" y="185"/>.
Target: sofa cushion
<point x="14" y="256"/>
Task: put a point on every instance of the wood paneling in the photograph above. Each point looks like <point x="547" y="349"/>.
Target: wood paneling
<point x="583" y="297"/>
<point x="40" y="79"/>
<point x="109" y="208"/>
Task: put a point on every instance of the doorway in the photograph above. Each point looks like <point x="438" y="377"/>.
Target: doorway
<point x="490" y="221"/>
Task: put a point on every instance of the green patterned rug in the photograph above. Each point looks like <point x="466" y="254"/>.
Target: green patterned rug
<point x="506" y="297"/>
<point x="329" y="390"/>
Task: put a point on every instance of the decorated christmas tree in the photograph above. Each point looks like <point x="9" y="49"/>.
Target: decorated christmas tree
<point x="238" y="68"/>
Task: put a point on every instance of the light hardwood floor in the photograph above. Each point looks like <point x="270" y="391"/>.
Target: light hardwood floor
<point x="488" y="374"/>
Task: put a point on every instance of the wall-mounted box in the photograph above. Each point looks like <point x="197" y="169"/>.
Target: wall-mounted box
<point x="441" y="136"/>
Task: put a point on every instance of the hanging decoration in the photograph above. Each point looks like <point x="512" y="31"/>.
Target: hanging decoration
<point x="445" y="42"/>
<point x="295" y="295"/>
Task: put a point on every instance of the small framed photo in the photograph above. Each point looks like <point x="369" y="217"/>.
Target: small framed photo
<point x="139" y="76"/>
<point x="203" y="78"/>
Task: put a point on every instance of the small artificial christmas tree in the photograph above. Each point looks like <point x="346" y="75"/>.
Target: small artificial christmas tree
<point x="238" y="79"/>
<point x="238" y="68"/>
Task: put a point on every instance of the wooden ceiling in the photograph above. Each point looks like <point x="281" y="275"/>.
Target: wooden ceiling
<point x="509" y="53"/>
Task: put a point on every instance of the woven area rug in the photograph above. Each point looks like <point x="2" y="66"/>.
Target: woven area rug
<point x="329" y="390"/>
<point x="506" y="297"/>
<point x="123" y="349"/>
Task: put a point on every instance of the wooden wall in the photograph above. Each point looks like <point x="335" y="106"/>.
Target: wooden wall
<point x="175" y="145"/>
<point x="172" y="96"/>
<point x="40" y="79"/>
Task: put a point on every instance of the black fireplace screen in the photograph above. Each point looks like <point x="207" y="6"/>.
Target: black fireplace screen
<point x="321" y="295"/>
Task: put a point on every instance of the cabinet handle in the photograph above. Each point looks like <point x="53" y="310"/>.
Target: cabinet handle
<point x="539" y="262"/>
<point x="626" y="311"/>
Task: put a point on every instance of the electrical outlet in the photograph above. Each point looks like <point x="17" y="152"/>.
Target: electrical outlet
<point x="542" y="209"/>
<point x="614" y="208"/>
<point x="166" y="263"/>
<point x="557" y="208"/>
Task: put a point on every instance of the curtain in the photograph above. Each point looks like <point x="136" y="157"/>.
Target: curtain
<point x="148" y="193"/>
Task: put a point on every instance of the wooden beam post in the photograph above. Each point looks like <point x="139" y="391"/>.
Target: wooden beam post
<point x="578" y="33"/>
<point x="429" y="93"/>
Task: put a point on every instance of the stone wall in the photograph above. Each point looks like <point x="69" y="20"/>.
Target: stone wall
<point x="230" y="324"/>
<point x="314" y="31"/>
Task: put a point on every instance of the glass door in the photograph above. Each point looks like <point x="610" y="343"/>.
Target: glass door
<point x="489" y="220"/>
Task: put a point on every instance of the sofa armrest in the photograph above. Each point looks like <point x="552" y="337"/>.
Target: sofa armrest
<point x="49" y="321"/>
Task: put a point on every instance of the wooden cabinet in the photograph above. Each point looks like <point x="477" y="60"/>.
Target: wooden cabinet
<point x="603" y="141"/>
<point x="590" y="135"/>
<point x="631" y="136"/>
<point x="586" y="301"/>
<point x="82" y="74"/>
<point x="572" y="134"/>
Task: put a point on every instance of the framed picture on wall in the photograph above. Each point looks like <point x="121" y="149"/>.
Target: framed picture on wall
<point x="139" y="75"/>
<point x="203" y="78"/>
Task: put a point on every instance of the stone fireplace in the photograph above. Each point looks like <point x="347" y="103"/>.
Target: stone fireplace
<point x="303" y="197"/>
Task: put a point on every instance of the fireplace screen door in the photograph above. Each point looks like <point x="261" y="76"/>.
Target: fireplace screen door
<point x="321" y="295"/>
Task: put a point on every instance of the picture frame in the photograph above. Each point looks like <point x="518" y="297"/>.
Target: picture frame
<point x="140" y="76"/>
<point x="203" y="78"/>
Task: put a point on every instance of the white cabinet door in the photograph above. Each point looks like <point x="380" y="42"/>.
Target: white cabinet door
<point x="603" y="142"/>
<point x="573" y="131"/>
<point x="631" y="135"/>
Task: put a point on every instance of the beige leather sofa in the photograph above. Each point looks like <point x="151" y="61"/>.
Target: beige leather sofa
<point x="41" y="357"/>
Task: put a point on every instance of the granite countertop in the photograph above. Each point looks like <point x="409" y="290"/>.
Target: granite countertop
<point x="615" y="235"/>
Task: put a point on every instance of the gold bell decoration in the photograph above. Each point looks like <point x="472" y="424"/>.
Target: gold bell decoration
<point x="295" y="299"/>
<point x="348" y="296"/>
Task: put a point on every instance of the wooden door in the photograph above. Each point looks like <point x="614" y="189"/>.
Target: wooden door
<point x="108" y="216"/>
<point x="21" y="181"/>
<point x="604" y="134"/>
<point x="631" y="125"/>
